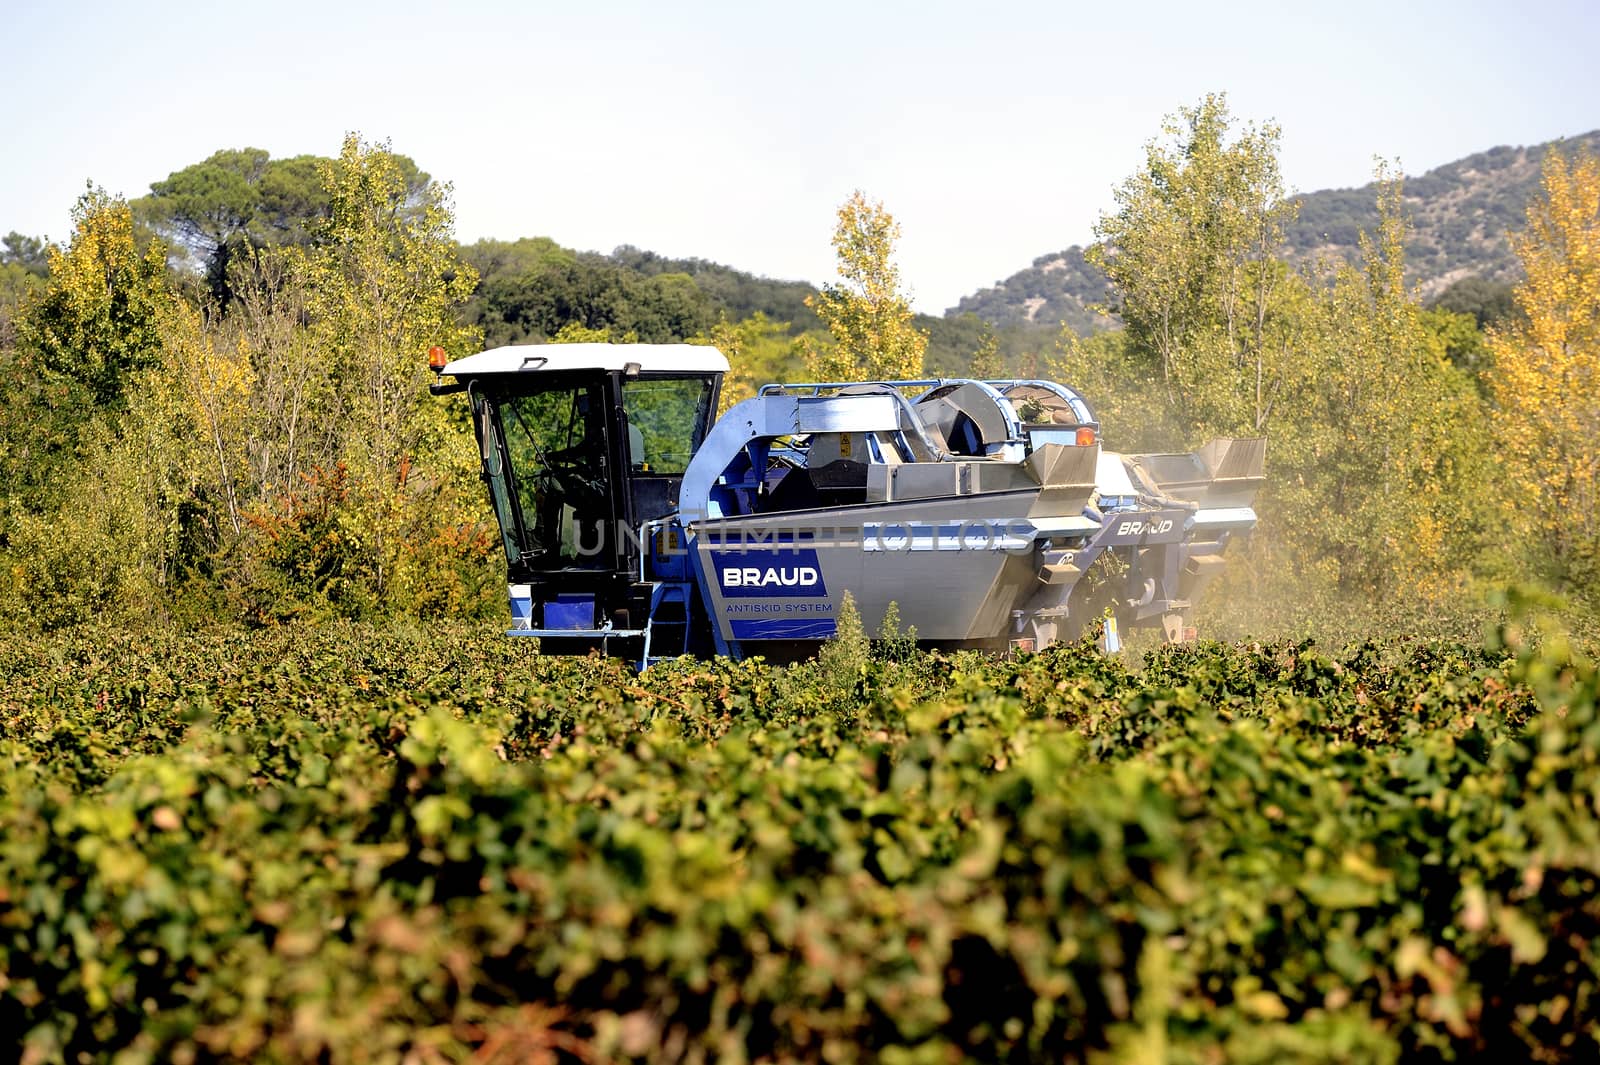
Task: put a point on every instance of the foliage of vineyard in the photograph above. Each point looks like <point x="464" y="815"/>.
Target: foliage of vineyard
<point x="367" y="843"/>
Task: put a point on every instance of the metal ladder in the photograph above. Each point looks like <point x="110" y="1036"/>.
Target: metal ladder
<point x="666" y="633"/>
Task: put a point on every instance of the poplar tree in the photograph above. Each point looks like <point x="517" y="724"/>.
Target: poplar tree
<point x="867" y="313"/>
<point x="1378" y="478"/>
<point x="1192" y="251"/>
<point x="986" y="361"/>
<point x="385" y="283"/>
<point x="1547" y="374"/>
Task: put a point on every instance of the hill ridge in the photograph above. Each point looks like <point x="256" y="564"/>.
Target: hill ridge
<point x="1461" y="213"/>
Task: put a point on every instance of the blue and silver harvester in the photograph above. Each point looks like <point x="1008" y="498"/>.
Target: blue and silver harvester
<point x="637" y="523"/>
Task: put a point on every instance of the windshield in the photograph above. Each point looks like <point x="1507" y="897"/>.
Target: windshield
<point x="666" y="421"/>
<point x="551" y="451"/>
<point x="555" y="442"/>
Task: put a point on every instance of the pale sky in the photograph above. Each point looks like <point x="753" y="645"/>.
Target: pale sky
<point x="732" y="131"/>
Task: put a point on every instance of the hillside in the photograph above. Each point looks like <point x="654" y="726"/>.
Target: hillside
<point x="1060" y="287"/>
<point x="1461" y="213"/>
<point x="530" y="288"/>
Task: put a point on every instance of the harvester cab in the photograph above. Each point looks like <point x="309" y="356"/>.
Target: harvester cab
<point x="635" y="524"/>
<point x="583" y="446"/>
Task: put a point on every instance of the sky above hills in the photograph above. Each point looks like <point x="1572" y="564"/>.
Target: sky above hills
<point x="732" y="131"/>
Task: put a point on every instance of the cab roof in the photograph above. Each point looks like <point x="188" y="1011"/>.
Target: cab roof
<point x="555" y="358"/>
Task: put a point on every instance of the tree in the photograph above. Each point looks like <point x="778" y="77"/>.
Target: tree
<point x="1457" y="337"/>
<point x="732" y="292"/>
<point x="1488" y="302"/>
<point x="238" y="200"/>
<point x="986" y="362"/>
<point x="214" y="381"/>
<point x="759" y="351"/>
<point x="275" y="452"/>
<point x="23" y="269"/>
<point x="384" y="286"/>
<point x="98" y="317"/>
<point x="201" y="206"/>
<point x="670" y="307"/>
<point x="296" y="421"/>
<point x="557" y="291"/>
<point x="1114" y="376"/>
<point x="513" y="258"/>
<point x="41" y="412"/>
<point x="953" y="341"/>
<point x="1547" y="373"/>
<point x="118" y="477"/>
<point x="1192" y="254"/>
<point x="28" y="253"/>
<point x="868" y="315"/>
<point x="1379" y="476"/>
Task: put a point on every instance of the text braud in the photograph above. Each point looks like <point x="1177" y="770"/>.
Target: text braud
<point x="770" y="577"/>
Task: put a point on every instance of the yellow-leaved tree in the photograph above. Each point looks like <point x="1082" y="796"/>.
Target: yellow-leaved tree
<point x="1547" y="375"/>
<point x="97" y="319"/>
<point x="159" y="416"/>
<point x="759" y="350"/>
<point x="385" y="283"/>
<point x="214" y="379"/>
<point x="867" y="313"/>
<point x="101" y="526"/>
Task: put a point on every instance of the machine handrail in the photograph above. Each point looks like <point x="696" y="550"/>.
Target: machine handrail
<point x="890" y="388"/>
<point x="928" y="384"/>
<point x="922" y="382"/>
<point x="1068" y="394"/>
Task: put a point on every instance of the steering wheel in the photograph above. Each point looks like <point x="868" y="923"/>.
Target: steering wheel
<point x="573" y="480"/>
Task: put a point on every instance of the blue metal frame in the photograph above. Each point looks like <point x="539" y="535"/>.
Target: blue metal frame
<point x="727" y="648"/>
<point x="605" y="633"/>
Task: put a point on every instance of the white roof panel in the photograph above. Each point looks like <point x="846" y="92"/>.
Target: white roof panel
<point x="553" y="358"/>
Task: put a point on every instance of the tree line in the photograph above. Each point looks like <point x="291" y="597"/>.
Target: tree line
<point x="251" y="438"/>
<point x="219" y="399"/>
<point x="1414" y="457"/>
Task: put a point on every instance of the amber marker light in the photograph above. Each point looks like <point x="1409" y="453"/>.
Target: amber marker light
<point x="436" y="359"/>
<point x="1085" y="436"/>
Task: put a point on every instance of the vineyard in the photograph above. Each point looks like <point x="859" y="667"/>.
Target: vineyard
<point x="384" y="843"/>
